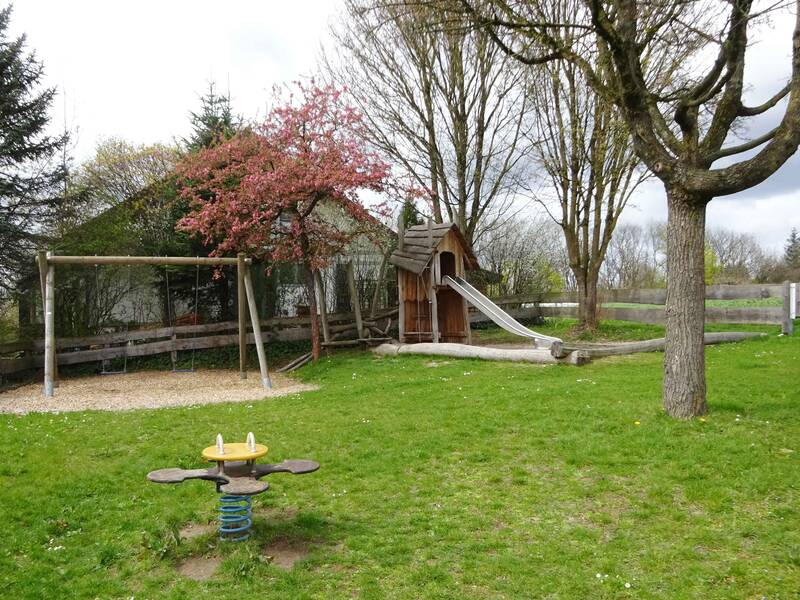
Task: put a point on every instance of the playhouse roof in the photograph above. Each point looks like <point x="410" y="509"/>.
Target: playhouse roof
<point x="419" y="246"/>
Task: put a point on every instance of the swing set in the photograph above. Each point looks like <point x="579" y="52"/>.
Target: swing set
<point x="246" y="300"/>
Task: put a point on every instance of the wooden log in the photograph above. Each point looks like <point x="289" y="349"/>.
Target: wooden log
<point x="143" y="260"/>
<point x="241" y="313"/>
<point x="49" y="330"/>
<point x="528" y="355"/>
<point x="262" y="357"/>
<point x="354" y="299"/>
<point x="617" y="349"/>
<point x="296" y="363"/>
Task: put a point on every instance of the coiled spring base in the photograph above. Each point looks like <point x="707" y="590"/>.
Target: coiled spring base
<point x="235" y="516"/>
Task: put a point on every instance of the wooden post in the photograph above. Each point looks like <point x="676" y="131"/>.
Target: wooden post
<point x="321" y="303"/>
<point x="354" y="299"/>
<point x="241" y="267"/>
<point x="41" y="259"/>
<point x="430" y="235"/>
<point x="376" y="295"/>
<point x="787" y="327"/>
<point x="254" y="320"/>
<point x="401" y="305"/>
<point x="49" y="329"/>
<point x="434" y="307"/>
<point x="468" y="331"/>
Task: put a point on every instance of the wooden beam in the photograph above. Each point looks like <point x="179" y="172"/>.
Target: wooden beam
<point x="262" y="357"/>
<point x="241" y="313"/>
<point x="144" y="260"/>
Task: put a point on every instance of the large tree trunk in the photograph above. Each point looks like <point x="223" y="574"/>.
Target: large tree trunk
<point x="587" y="299"/>
<point x="684" y="355"/>
<point x="308" y="278"/>
<point x="312" y="309"/>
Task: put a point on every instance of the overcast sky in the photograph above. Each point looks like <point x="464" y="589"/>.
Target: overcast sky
<point x="135" y="69"/>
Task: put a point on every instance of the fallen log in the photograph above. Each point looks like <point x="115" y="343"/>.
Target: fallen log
<point x="599" y="350"/>
<point x="528" y="355"/>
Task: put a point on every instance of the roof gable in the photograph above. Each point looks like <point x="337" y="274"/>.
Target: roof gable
<point x="421" y="241"/>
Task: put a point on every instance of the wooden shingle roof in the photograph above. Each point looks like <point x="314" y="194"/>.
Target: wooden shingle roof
<point x="420" y="242"/>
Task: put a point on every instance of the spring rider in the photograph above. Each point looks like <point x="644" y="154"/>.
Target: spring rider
<point x="236" y="476"/>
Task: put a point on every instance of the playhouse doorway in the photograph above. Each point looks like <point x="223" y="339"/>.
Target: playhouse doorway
<point x="447" y="264"/>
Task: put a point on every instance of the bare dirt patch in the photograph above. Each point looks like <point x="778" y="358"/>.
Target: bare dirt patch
<point x="437" y="363"/>
<point x="200" y="568"/>
<point x="285" y="553"/>
<point x="191" y="531"/>
<point x="148" y="389"/>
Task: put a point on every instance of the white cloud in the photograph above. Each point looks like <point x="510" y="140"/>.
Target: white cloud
<point x="135" y="69"/>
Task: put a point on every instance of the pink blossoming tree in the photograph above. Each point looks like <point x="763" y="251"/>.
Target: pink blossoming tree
<point x="260" y="192"/>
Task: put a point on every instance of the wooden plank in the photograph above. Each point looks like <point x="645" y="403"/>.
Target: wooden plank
<point x="650" y="296"/>
<point x="17" y="346"/>
<point x="144" y="260"/>
<point x="415" y="266"/>
<point x="165" y="332"/>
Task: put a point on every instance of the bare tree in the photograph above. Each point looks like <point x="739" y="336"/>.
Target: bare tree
<point x="679" y="132"/>
<point x="739" y="255"/>
<point x="526" y="254"/>
<point x="635" y="257"/>
<point x="586" y="153"/>
<point x="447" y="105"/>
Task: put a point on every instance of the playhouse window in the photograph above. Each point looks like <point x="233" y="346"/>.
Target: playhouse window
<point x="447" y="264"/>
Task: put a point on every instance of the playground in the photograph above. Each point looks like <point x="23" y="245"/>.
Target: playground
<point x="536" y="480"/>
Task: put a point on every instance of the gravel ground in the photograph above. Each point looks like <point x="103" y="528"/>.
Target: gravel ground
<point x="147" y="389"/>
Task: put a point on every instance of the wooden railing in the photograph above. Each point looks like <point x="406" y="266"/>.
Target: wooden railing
<point x="530" y="305"/>
<point x="23" y="355"/>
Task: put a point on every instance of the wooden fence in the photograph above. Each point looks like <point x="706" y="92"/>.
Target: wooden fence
<point x="21" y="355"/>
<point x="527" y="305"/>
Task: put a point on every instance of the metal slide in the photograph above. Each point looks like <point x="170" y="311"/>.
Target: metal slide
<point x="494" y="312"/>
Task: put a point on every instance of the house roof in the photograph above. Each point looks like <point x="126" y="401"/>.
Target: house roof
<point x="420" y="243"/>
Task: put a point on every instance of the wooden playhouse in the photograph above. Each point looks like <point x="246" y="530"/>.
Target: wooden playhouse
<point x="430" y="310"/>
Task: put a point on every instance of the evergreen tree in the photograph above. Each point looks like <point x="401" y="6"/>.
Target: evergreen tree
<point x="792" y="254"/>
<point x="214" y="122"/>
<point x="30" y="174"/>
<point x="409" y="215"/>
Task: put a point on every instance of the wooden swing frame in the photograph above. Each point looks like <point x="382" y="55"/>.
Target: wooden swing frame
<point x="246" y="300"/>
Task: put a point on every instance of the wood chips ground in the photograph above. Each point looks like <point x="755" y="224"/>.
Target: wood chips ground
<point x="147" y="389"/>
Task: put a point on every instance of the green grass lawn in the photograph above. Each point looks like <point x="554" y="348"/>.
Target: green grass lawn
<point x="439" y="479"/>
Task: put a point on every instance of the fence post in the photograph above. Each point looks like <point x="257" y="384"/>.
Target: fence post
<point x="787" y="327"/>
<point x="241" y="297"/>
